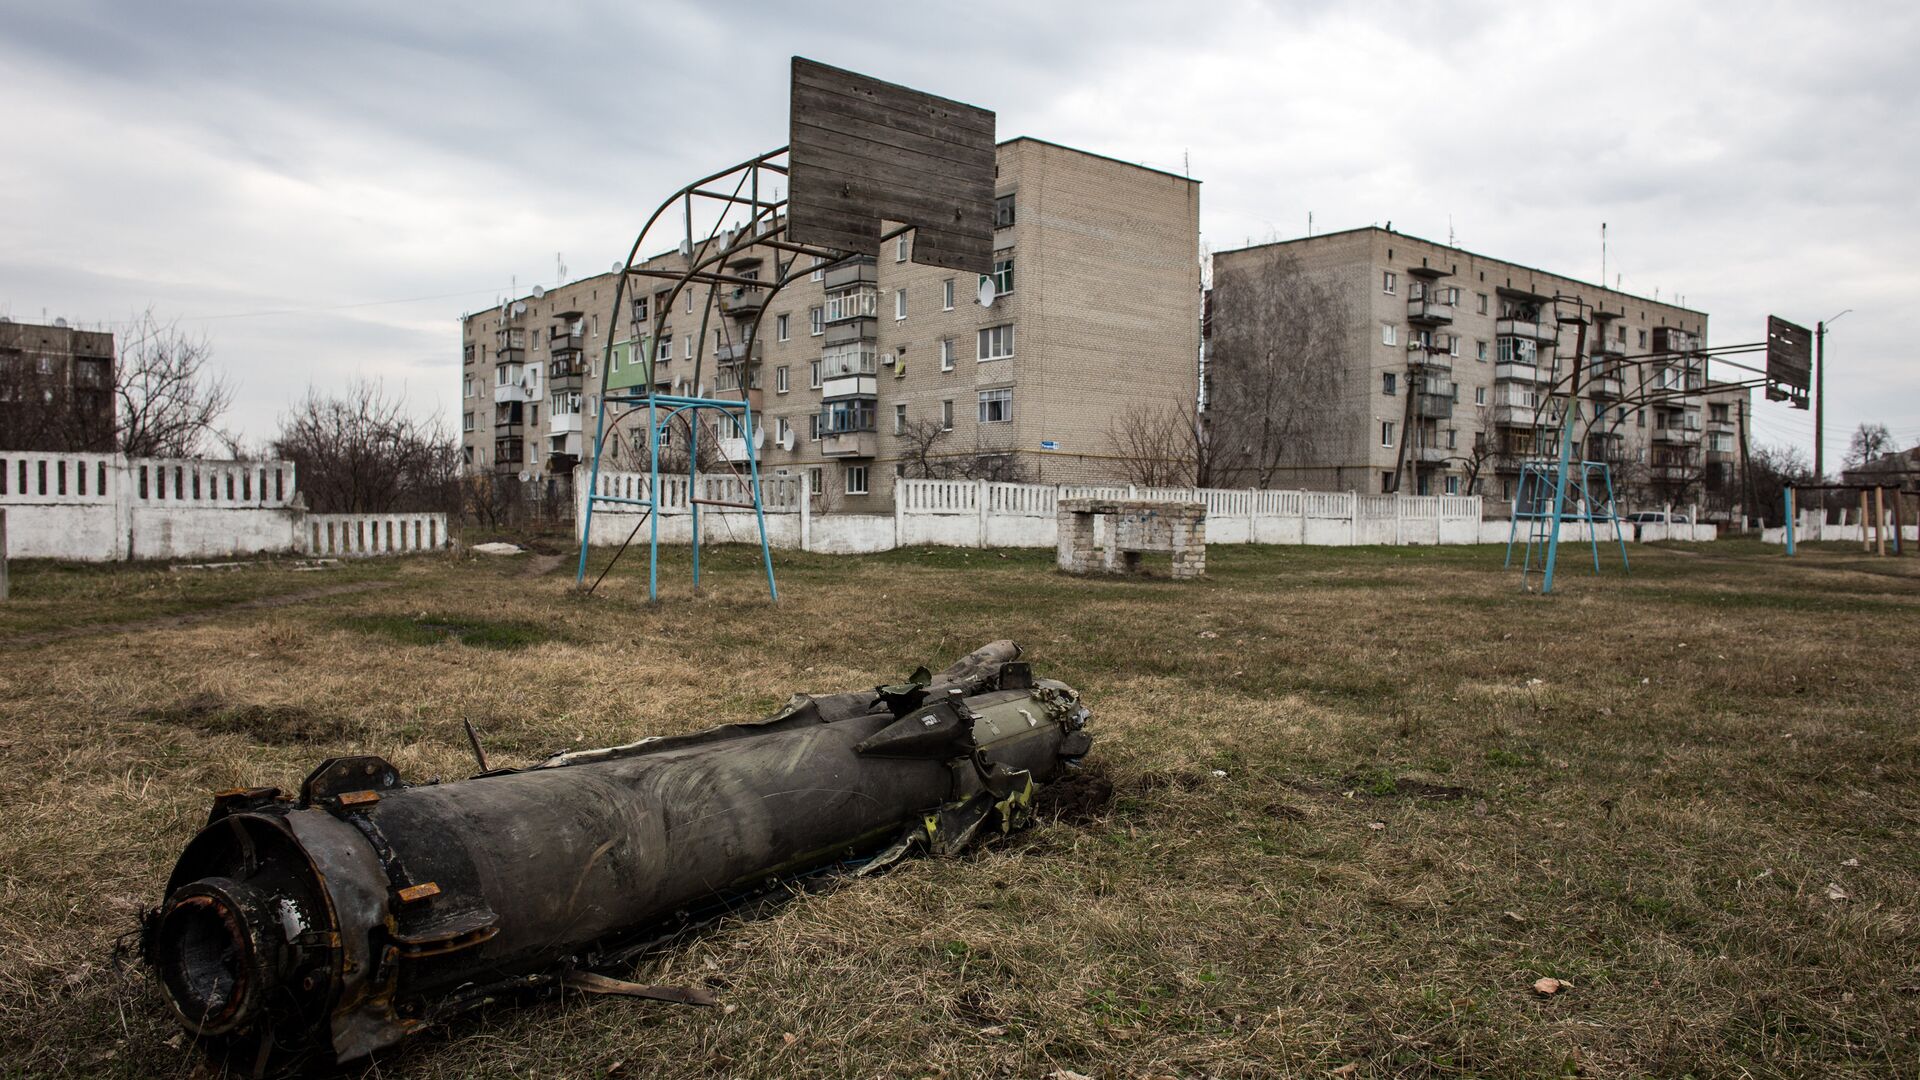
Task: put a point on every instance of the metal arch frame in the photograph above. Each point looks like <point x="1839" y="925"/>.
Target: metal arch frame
<point x="765" y="227"/>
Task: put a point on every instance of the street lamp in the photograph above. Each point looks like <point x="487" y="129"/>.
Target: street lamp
<point x="1819" y="396"/>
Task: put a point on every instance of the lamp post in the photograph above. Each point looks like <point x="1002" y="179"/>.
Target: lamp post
<point x="1820" y="397"/>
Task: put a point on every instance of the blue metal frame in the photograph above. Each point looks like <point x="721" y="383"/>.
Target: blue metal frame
<point x="674" y="405"/>
<point x="1543" y="529"/>
<point x="1789" y="498"/>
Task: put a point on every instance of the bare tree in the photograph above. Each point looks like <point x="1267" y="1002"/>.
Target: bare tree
<point x="922" y="437"/>
<point x="1159" y="446"/>
<point x="362" y="452"/>
<point x="1774" y="466"/>
<point x="170" y="401"/>
<point x="1869" y="441"/>
<point x="1280" y="336"/>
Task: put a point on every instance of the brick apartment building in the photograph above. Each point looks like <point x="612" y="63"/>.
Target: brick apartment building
<point x="56" y="388"/>
<point x="1446" y="358"/>
<point x="878" y="366"/>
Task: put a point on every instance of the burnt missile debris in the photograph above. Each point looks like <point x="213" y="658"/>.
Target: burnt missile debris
<point x="318" y="928"/>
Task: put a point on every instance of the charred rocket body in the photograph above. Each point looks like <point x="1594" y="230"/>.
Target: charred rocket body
<point x="318" y="929"/>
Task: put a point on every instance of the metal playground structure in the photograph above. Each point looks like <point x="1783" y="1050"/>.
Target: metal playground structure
<point x="1549" y="487"/>
<point x="866" y="162"/>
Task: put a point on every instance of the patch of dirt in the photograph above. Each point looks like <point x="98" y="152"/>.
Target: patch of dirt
<point x="273" y="724"/>
<point x="540" y="565"/>
<point x="1074" y="797"/>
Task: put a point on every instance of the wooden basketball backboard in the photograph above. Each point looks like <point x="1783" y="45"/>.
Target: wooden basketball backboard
<point x="862" y="151"/>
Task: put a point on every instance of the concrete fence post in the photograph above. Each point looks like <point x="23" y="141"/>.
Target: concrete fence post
<point x="981" y="504"/>
<point x="3" y="554"/>
<point x="899" y="510"/>
<point x="806" y="510"/>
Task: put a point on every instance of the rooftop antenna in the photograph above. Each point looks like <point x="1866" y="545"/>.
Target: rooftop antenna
<point x="1450" y="242"/>
<point x="560" y="268"/>
<point x="1309" y="223"/>
<point x="1603" y="254"/>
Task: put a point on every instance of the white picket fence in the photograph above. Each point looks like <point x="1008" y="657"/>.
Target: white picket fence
<point x="105" y="507"/>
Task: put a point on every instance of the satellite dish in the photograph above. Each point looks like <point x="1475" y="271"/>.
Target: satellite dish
<point x="519" y="307"/>
<point x="786" y="441"/>
<point x="986" y="292"/>
<point x="618" y="266"/>
<point x="525" y="476"/>
<point x="539" y="291"/>
<point x="686" y="249"/>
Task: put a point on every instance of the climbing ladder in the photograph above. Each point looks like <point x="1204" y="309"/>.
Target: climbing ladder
<point x="1545" y="503"/>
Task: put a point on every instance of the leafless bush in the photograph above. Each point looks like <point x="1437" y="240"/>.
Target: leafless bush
<point x="362" y="452"/>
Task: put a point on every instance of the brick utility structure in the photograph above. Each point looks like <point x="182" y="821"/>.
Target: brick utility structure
<point x="1095" y="313"/>
<point x="1132" y="526"/>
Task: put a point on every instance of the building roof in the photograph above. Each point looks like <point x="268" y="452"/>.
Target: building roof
<point x="1470" y="254"/>
<point x="1091" y="154"/>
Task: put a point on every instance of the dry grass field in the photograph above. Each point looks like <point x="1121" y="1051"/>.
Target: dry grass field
<point x="1344" y="807"/>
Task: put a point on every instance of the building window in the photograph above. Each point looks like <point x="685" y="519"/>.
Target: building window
<point x="996" y="342"/>
<point x="466" y="455"/>
<point x="816" y="321"/>
<point x="900" y="248"/>
<point x="689" y="301"/>
<point x="1389" y="334"/>
<point x="1386" y="383"/>
<point x="819" y="271"/>
<point x="780" y="384"/>
<point x="467" y="386"/>
<point x="813" y="375"/>
<point x="1453" y="296"/>
<point x="946" y="295"/>
<point x="946" y="352"/>
<point x="1481" y="300"/>
<point x="467" y="424"/>
<point x="856" y="479"/>
<point x="813" y="427"/>
<point x="689" y="346"/>
<point x="663" y="349"/>
<point x="1386" y="433"/>
<point x="1643" y="339"/>
<point x="1386" y="483"/>
<point x="1480" y="351"/>
<point x="1453" y="485"/>
<point x="1453" y="439"/>
<point x="1002" y="276"/>
<point x="1453" y="345"/>
<point x="816" y="479"/>
<point x="996" y="406"/>
<point x="780" y="327"/>
<point x="1479" y="395"/>
<point x="783" y="431"/>
<point x="1003" y="212"/>
<point x="900" y="419"/>
<point x="946" y="415"/>
<point x="899" y="304"/>
<point x="1389" y="282"/>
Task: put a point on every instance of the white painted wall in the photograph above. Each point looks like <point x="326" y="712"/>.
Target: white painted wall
<point x="978" y="513"/>
<point x="104" y="507"/>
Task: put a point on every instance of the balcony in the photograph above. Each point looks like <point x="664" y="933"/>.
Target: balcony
<point x="732" y="352"/>
<point x="1433" y="406"/>
<point x="743" y="301"/>
<point x="511" y="344"/>
<point x="1429" y="310"/>
<point x="1530" y="329"/>
<point x="1429" y="356"/>
<point x="467" y="353"/>
<point x="565" y="374"/>
<point x="858" y="303"/>
<point x="1520" y="416"/>
<point x="1673" y="472"/>
<point x="1609" y="350"/>
<point x="512" y="384"/>
<point x="1512" y="372"/>
<point x="856" y="271"/>
<point x="1672" y="339"/>
<point x="1608" y="447"/>
<point x="564" y="343"/>
<point x="848" y="444"/>
<point x="733" y="448"/>
<point x="563" y="423"/>
<point x="849" y="386"/>
<point x="1425" y="453"/>
<point x="1604" y="386"/>
<point x="1677" y="436"/>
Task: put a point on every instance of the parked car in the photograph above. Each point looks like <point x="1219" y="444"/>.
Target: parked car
<point x="1656" y="517"/>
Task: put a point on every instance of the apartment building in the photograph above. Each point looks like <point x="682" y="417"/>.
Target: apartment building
<point x="56" y="388"/>
<point x="879" y="367"/>
<point x="1446" y="359"/>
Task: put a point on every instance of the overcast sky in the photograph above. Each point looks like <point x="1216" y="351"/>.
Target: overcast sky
<point x="323" y="189"/>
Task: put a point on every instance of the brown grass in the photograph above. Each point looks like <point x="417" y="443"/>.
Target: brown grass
<point x="1437" y="789"/>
